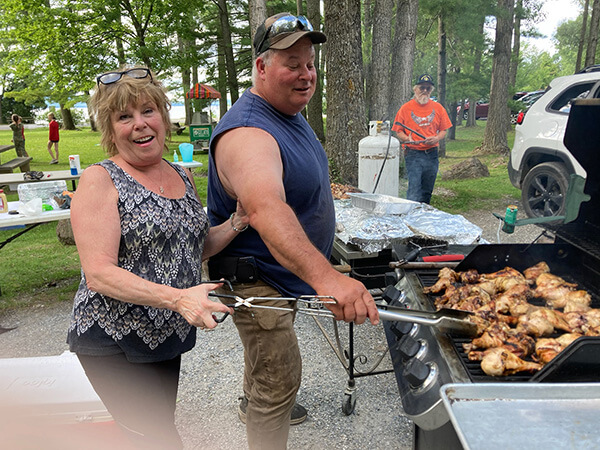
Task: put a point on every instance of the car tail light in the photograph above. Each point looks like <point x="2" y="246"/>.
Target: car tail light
<point x="520" y="118"/>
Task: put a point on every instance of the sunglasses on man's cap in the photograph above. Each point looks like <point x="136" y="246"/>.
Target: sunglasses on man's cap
<point x="284" y="30"/>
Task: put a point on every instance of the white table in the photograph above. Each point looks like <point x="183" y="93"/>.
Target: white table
<point x="12" y="180"/>
<point x="13" y="220"/>
<point x="188" y="165"/>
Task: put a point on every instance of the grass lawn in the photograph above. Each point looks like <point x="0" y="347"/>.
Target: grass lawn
<point x="35" y="267"/>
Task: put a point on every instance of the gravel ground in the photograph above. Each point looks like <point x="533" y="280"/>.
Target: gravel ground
<point x="211" y="379"/>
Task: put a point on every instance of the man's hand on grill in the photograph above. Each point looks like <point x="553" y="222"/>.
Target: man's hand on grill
<point x="354" y="302"/>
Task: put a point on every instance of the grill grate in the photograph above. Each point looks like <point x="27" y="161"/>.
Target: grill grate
<point x="584" y="238"/>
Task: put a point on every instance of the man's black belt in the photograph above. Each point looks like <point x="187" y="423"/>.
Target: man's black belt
<point x="236" y="269"/>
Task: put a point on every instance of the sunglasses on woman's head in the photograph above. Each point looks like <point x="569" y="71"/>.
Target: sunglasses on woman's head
<point x="113" y="77"/>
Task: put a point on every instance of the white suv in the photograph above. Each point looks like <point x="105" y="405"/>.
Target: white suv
<point x="540" y="164"/>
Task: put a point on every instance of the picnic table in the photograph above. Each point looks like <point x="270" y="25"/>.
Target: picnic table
<point x="8" y="221"/>
<point x="12" y="180"/>
<point x="21" y="162"/>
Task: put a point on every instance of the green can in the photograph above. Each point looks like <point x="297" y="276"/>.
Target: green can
<point x="510" y="218"/>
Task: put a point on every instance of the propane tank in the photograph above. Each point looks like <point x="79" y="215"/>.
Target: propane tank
<point x="372" y="154"/>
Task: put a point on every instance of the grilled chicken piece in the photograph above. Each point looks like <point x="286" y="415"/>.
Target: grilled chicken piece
<point x="571" y="300"/>
<point x="511" y="299"/>
<point x="446" y="277"/>
<point x="470" y="276"/>
<point x="533" y="272"/>
<point x="504" y="284"/>
<point x="469" y="294"/>
<point x="549" y="280"/>
<point x="585" y="322"/>
<point x="506" y="272"/>
<point x="519" y="345"/>
<point x="501" y="362"/>
<point x="546" y="349"/>
<point x="534" y="326"/>
<point x="542" y="322"/>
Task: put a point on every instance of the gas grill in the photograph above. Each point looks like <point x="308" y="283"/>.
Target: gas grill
<point x="425" y="359"/>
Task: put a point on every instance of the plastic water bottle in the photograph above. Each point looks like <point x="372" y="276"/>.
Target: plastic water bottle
<point x="175" y="157"/>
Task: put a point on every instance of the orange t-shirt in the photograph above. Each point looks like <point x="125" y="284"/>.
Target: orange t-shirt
<point x="427" y="120"/>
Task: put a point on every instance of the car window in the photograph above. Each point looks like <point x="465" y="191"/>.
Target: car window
<point x="563" y="102"/>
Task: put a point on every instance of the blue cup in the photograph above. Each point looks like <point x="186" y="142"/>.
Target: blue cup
<point x="187" y="152"/>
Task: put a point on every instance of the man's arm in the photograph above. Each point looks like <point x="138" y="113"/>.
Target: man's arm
<point x="249" y="165"/>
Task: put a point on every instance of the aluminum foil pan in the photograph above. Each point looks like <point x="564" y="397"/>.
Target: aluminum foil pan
<point x="372" y="232"/>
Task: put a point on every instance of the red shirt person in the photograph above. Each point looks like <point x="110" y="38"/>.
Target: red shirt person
<point x="53" y="138"/>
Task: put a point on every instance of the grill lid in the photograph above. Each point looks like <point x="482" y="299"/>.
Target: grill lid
<point x="582" y="138"/>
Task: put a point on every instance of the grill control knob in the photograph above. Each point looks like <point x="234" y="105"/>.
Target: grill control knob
<point x="401" y="328"/>
<point x="408" y="347"/>
<point x="416" y="372"/>
<point x="391" y="295"/>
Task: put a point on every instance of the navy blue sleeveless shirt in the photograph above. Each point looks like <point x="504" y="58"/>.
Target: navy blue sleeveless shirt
<point x="306" y="183"/>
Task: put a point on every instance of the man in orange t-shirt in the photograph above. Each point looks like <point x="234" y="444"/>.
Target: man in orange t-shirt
<point x="425" y="117"/>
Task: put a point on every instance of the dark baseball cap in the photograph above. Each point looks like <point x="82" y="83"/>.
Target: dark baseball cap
<point x="283" y="30"/>
<point x="425" y="79"/>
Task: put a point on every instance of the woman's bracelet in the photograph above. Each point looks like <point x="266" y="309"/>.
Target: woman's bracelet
<point x="237" y="230"/>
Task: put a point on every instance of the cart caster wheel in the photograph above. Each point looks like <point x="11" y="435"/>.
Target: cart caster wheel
<point x="348" y="404"/>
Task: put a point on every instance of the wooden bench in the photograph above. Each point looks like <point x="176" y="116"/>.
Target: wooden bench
<point x="22" y="162"/>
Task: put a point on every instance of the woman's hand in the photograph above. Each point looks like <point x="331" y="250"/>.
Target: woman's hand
<point x="197" y="309"/>
<point x="240" y="219"/>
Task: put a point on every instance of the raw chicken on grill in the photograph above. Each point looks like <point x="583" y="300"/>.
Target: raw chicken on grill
<point x="546" y="349"/>
<point x="501" y="362"/>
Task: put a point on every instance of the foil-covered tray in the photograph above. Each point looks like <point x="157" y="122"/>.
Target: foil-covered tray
<point x="499" y="416"/>
<point x="382" y="204"/>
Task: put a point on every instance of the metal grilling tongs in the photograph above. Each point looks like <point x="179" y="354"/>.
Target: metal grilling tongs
<point x="446" y="320"/>
<point x="314" y="304"/>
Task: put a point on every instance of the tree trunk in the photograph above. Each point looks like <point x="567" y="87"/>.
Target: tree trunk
<point x="516" y="48"/>
<point x="222" y="77"/>
<point x="93" y="126"/>
<point x="257" y="12"/>
<point x="452" y="131"/>
<point x="495" y="140"/>
<point x="472" y="117"/>
<point x="314" y="110"/>
<point x="582" y="36"/>
<point x="459" y="116"/>
<point x="442" y="71"/>
<point x="403" y="54"/>
<point x="346" y="119"/>
<point x="367" y="43"/>
<point x="590" y="54"/>
<point x="67" y="118"/>
<point x="232" y="78"/>
<point x="380" y="82"/>
<point x="184" y="47"/>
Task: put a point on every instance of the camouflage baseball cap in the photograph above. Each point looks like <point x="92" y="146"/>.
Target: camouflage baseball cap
<point x="283" y="30"/>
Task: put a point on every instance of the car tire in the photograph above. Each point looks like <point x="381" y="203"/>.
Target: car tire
<point x="465" y="114"/>
<point x="544" y="190"/>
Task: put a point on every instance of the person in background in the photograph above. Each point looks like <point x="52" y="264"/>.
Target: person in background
<point x="428" y="118"/>
<point x="53" y="138"/>
<point x="141" y="232"/>
<point x="264" y="153"/>
<point x="18" y="135"/>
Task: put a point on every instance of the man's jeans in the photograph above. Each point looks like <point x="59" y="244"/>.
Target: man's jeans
<point x="421" y="169"/>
